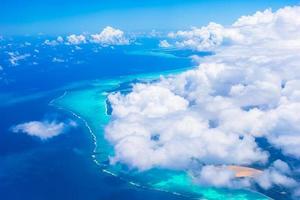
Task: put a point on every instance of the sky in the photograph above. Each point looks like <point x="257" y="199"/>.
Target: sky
<point x="19" y="17"/>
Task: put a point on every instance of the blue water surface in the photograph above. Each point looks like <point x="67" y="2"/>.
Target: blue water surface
<point x="62" y="167"/>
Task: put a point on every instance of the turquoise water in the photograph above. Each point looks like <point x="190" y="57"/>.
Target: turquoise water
<point x="87" y="101"/>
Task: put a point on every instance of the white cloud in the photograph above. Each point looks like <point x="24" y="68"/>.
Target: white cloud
<point x="213" y="114"/>
<point x="60" y="39"/>
<point x="276" y="175"/>
<point x="254" y="29"/>
<point x="58" y="60"/>
<point x="57" y="41"/>
<point x="76" y="39"/>
<point x="110" y="36"/>
<point x="205" y="38"/>
<point x="43" y="129"/>
<point x="51" y="43"/>
<point x="217" y="176"/>
<point x="183" y="135"/>
<point x="138" y="102"/>
<point x="164" y="44"/>
<point x="16" y="57"/>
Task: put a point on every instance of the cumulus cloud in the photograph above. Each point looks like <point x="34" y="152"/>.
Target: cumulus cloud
<point x="60" y="39"/>
<point x="164" y="44"/>
<point x="277" y="174"/>
<point x="253" y="29"/>
<point x="76" y="39"/>
<point x="43" y="129"/>
<point x="51" y="43"/>
<point x="57" y="41"/>
<point x="161" y="125"/>
<point x="218" y="176"/>
<point x="107" y="37"/>
<point x="205" y="38"/>
<point x="110" y="36"/>
<point x="214" y="114"/>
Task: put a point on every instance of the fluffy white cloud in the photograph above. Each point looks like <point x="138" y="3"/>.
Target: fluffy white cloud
<point x="253" y="29"/>
<point x="150" y="101"/>
<point x="161" y="126"/>
<point x="205" y="38"/>
<point x="76" y="39"/>
<point x="178" y="142"/>
<point x="212" y="115"/>
<point x="277" y="174"/>
<point x="60" y="39"/>
<point x="43" y="129"/>
<point x="110" y="36"/>
<point x="164" y="44"/>
<point x="57" y="41"/>
<point x="219" y="176"/>
<point x="51" y="42"/>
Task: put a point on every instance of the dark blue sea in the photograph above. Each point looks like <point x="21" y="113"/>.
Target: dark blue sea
<point x="62" y="167"/>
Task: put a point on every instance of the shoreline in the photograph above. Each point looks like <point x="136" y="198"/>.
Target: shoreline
<point x="94" y="137"/>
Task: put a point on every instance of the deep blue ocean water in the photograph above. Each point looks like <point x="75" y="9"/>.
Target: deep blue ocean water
<point x="62" y="167"/>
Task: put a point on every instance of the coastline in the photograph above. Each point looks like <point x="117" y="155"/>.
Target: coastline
<point x="149" y="77"/>
<point x="94" y="138"/>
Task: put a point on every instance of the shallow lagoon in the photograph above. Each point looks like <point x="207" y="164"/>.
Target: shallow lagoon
<point x="88" y="102"/>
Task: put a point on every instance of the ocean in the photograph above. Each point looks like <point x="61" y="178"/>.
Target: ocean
<point x="74" y="165"/>
<point x="62" y="167"/>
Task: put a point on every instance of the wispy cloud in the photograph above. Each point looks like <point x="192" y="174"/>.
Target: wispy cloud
<point x="15" y="57"/>
<point x="58" y="60"/>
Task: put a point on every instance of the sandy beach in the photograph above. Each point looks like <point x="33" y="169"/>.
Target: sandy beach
<point x="241" y="171"/>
